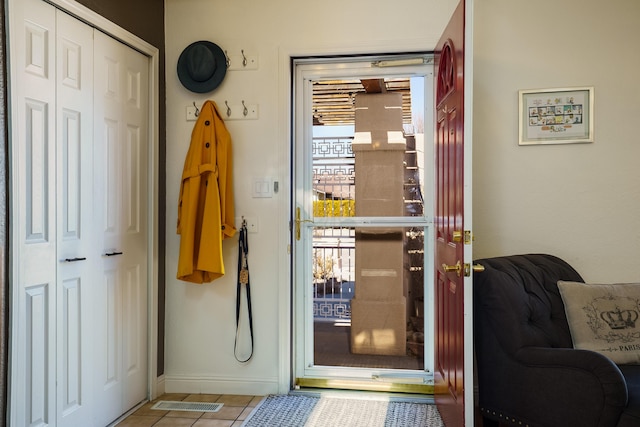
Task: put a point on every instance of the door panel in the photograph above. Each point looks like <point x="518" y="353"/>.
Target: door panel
<point x="76" y="237"/>
<point x="135" y="112"/>
<point x="449" y="222"/>
<point x="53" y="163"/>
<point x="36" y="409"/>
<point x="121" y="162"/>
<point x="34" y="229"/>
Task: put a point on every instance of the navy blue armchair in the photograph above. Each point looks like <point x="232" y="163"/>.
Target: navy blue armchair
<point x="528" y="372"/>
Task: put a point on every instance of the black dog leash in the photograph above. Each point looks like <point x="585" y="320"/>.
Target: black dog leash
<point x="243" y="279"/>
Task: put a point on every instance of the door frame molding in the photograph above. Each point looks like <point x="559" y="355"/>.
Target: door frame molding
<point x="155" y="384"/>
<point x="285" y="124"/>
<point x="468" y="210"/>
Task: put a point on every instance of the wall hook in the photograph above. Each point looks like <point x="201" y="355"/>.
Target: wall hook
<point x="245" y="111"/>
<point x="244" y="58"/>
<point x="197" y="110"/>
<point x="228" y="109"/>
<point x="226" y="57"/>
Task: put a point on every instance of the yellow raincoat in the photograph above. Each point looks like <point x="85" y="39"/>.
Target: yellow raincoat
<point x="205" y="207"/>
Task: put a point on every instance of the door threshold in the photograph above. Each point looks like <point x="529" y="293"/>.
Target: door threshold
<point x="360" y="385"/>
<point x="364" y="395"/>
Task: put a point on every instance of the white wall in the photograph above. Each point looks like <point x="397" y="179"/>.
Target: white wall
<point x="200" y="322"/>
<point x="580" y="202"/>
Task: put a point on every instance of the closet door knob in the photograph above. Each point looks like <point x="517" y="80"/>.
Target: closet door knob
<point x="113" y="253"/>
<point x="74" y="259"/>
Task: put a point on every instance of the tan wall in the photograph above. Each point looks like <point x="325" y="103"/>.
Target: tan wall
<point x="580" y="202"/>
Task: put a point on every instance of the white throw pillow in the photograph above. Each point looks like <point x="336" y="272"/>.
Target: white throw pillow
<point x="604" y="318"/>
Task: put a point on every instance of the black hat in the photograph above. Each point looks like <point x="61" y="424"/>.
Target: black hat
<point x="202" y="66"/>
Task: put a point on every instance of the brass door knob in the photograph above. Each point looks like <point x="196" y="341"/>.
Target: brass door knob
<point x="453" y="268"/>
<point x="299" y="221"/>
<point x="478" y="268"/>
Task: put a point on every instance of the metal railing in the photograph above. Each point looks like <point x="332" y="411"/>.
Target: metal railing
<point x="333" y="275"/>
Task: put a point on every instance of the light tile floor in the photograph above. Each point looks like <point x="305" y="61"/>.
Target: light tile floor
<point x="235" y="410"/>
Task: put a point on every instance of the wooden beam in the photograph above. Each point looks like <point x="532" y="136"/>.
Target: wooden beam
<point x="374" y="85"/>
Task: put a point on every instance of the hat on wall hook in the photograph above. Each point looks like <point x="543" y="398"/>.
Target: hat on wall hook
<point x="202" y="66"/>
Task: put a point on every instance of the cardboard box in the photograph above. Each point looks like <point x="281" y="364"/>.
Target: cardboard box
<point x="378" y="327"/>
<point x="380" y="285"/>
<point x="378" y="122"/>
<point x="379" y="264"/>
<point x="379" y="183"/>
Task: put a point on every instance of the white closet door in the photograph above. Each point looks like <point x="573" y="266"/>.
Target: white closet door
<point x="51" y="141"/>
<point x="34" y="229"/>
<point x="121" y="164"/>
<point x="76" y="252"/>
<point x="79" y="149"/>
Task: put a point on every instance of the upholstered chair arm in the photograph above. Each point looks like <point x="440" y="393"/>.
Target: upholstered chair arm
<point x="576" y="387"/>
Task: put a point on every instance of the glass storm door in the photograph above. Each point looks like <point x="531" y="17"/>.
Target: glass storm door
<point x="363" y="224"/>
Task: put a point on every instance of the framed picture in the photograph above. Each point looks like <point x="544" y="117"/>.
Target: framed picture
<point x="556" y="116"/>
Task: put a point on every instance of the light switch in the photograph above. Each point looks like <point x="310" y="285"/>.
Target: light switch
<point x="261" y="187"/>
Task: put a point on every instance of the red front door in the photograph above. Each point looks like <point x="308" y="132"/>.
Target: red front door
<point x="449" y="226"/>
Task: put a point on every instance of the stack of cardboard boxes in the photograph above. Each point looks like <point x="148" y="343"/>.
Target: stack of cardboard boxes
<point x="378" y="309"/>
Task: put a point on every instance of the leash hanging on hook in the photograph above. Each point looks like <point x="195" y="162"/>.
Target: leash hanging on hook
<point x="243" y="279"/>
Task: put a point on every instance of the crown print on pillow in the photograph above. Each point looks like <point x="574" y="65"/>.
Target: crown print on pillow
<point x="604" y="318"/>
<point x="618" y="319"/>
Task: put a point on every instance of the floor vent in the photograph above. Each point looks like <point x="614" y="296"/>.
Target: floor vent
<point x="167" y="405"/>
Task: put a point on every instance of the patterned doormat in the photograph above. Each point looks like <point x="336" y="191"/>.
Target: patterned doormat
<point x="324" y="411"/>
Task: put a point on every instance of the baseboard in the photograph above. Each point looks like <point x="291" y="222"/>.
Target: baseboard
<point x="220" y="385"/>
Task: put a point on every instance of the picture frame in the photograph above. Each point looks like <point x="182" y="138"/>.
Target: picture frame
<point x="556" y="116"/>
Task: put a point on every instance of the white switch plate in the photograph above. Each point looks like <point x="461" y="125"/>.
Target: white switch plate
<point x="261" y="187"/>
<point x="252" y="223"/>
